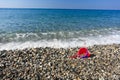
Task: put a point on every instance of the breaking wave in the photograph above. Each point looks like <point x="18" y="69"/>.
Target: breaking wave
<point x="58" y="39"/>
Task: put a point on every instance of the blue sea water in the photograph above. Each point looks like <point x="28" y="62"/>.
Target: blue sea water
<point x="26" y="28"/>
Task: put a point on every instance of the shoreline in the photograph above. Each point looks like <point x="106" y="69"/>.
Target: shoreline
<point x="53" y="63"/>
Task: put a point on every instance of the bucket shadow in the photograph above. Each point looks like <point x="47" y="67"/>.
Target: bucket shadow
<point x="92" y="55"/>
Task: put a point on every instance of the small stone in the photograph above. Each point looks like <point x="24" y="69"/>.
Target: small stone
<point x="101" y="78"/>
<point x="1" y="65"/>
<point x="3" y="55"/>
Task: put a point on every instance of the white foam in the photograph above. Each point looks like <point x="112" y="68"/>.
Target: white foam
<point x="75" y="42"/>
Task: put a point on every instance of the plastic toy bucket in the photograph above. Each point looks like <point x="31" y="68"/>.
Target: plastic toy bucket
<point x="83" y="53"/>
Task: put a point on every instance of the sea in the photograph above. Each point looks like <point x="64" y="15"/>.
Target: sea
<point x="22" y="28"/>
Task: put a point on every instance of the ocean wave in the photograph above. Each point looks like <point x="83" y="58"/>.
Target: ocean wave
<point x="61" y="35"/>
<point x="59" y="39"/>
<point x="69" y="43"/>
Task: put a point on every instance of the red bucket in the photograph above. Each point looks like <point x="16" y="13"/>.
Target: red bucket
<point x="82" y="53"/>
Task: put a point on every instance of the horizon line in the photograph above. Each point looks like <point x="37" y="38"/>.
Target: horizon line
<point x="54" y="8"/>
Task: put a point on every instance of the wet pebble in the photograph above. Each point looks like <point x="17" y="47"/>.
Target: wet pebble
<point x="53" y="63"/>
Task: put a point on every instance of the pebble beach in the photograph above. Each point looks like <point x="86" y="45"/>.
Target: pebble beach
<point x="54" y="64"/>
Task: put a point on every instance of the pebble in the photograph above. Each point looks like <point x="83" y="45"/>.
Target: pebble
<point x="53" y="63"/>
